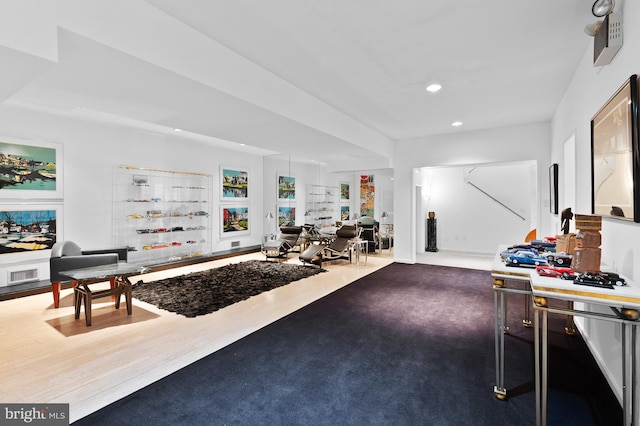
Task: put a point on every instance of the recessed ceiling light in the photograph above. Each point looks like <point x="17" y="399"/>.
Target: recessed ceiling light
<point x="456" y="123"/>
<point x="433" y="87"/>
<point x="177" y="130"/>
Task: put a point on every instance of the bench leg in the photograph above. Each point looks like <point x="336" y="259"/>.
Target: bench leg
<point x="112" y="284"/>
<point x="55" y="290"/>
<point x="77" y="301"/>
<point x="74" y="284"/>
<point x="126" y="287"/>
<point x="117" y="293"/>
<point x="87" y="307"/>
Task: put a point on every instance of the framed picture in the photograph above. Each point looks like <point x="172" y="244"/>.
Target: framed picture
<point x="344" y="213"/>
<point x="615" y="167"/>
<point x="235" y="221"/>
<point x="367" y="195"/>
<point x="234" y="184"/>
<point x="29" y="231"/>
<point x="344" y="191"/>
<point x="286" y="215"/>
<point x="286" y="187"/>
<point x="29" y="170"/>
<point x="553" y="189"/>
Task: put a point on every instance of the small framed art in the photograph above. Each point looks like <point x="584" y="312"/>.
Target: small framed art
<point x="344" y="191"/>
<point x="30" y="170"/>
<point x="553" y="189"/>
<point x="286" y="215"/>
<point x="234" y="184"/>
<point x="29" y="231"/>
<point x="286" y="187"/>
<point x="235" y="220"/>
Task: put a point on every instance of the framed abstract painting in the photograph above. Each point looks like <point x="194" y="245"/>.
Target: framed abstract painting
<point x="615" y="154"/>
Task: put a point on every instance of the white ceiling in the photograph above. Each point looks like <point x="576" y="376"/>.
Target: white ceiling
<point x="330" y="80"/>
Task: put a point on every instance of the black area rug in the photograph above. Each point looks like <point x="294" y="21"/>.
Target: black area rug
<point x="201" y="293"/>
<point x="406" y="345"/>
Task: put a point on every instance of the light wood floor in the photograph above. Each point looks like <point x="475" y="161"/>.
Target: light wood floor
<point x="48" y="356"/>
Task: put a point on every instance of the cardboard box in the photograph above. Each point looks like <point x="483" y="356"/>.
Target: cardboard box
<point x="565" y="243"/>
<point x="586" y="260"/>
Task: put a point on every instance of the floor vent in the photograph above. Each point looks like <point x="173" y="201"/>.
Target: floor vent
<point x="235" y="244"/>
<point x="17" y="277"/>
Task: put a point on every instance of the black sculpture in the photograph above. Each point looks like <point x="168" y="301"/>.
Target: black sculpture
<point x="431" y="233"/>
<point x="566" y="216"/>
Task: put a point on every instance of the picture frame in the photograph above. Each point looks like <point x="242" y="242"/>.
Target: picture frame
<point x="234" y="184"/>
<point x="615" y="155"/>
<point x="30" y="170"/>
<point x="344" y="213"/>
<point x="234" y="220"/>
<point x="367" y="195"/>
<point x="344" y="191"/>
<point x="286" y="187"/>
<point x="28" y="231"/>
<point x="553" y="188"/>
<point x="286" y="215"/>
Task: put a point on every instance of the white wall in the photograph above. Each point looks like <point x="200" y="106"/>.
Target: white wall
<point x="528" y="142"/>
<point x="92" y="152"/>
<point x="590" y="88"/>
<point x="468" y="219"/>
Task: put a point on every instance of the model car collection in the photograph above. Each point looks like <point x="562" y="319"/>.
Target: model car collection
<point x="548" y="263"/>
<point x="613" y="278"/>
<point x="513" y="250"/>
<point x="559" y="259"/>
<point x="557" y="265"/>
<point x="593" y="279"/>
<point x="543" y="245"/>
<point x="555" y="272"/>
<point x="525" y="258"/>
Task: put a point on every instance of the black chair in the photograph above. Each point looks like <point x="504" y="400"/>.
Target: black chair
<point x="288" y="240"/>
<point x="67" y="255"/>
<point x="291" y="234"/>
<point x="370" y="232"/>
<point x="340" y="248"/>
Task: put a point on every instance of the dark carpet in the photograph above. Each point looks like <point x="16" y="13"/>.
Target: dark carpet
<point x="406" y="345"/>
<point x="201" y="293"/>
